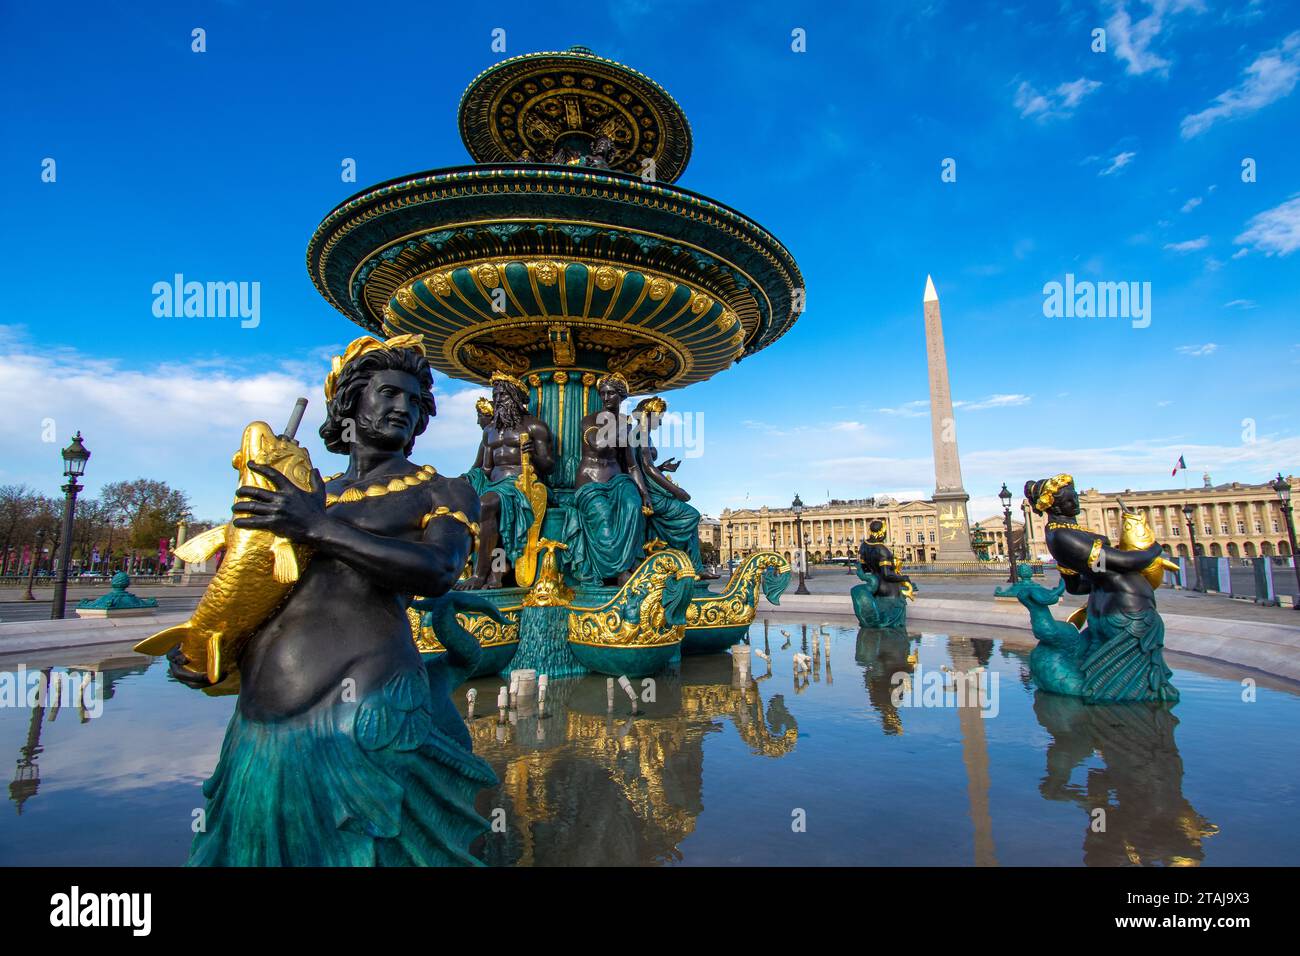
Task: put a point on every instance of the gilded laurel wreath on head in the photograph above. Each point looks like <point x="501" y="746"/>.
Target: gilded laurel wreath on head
<point x="616" y="379"/>
<point x="359" y="347"/>
<point x="509" y="380"/>
<point x="483" y="406"/>
<point x="1043" y="492"/>
<point x="878" y="530"/>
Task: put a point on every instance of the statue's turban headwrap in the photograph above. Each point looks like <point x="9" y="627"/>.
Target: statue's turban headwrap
<point x="1042" y="493"/>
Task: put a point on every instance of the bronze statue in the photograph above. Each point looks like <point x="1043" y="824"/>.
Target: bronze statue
<point x="483" y="418"/>
<point x="673" y="522"/>
<point x="1120" y="657"/>
<point x="881" y="599"/>
<point x="339" y="753"/>
<point x="508" y="514"/>
<point x="605" y="529"/>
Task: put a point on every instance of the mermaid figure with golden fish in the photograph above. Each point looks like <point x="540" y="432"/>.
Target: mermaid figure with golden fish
<point x="1121" y="654"/>
<point x="338" y="752"/>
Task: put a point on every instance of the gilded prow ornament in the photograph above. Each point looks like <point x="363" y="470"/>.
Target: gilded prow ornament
<point x="716" y="621"/>
<point x="640" y="628"/>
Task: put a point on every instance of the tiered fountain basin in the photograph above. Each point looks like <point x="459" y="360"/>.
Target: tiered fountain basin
<point x="524" y="268"/>
<point x="661" y="613"/>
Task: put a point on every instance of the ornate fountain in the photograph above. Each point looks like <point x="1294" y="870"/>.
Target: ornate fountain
<point x="566" y="254"/>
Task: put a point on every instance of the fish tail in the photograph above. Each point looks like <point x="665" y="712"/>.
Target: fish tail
<point x="198" y="549"/>
<point x="164" y="640"/>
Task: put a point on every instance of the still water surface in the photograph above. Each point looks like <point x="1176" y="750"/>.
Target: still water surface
<point x="817" y="769"/>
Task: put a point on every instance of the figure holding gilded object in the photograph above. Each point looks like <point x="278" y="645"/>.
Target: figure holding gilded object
<point x="338" y="752"/>
<point x="1121" y="657"/>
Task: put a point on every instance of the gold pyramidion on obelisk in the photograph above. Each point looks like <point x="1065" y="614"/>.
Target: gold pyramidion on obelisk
<point x="950" y="497"/>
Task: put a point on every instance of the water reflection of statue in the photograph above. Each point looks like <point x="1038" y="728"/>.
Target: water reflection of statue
<point x="1139" y="785"/>
<point x="1053" y="663"/>
<point x="338" y="753"/>
<point x="881" y="599"/>
<point x="884" y="654"/>
<point x="635" y="779"/>
<point x="507" y="514"/>
<point x="605" y="529"/>
<point x="1121" y="657"/>
<point x="674" y="522"/>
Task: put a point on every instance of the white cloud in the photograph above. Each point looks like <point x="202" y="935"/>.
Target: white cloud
<point x="1054" y="103"/>
<point x="1198" y="351"/>
<point x="1269" y="78"/>
<point x="993" y="401"/>
<point x="1191" y="204"/>
<point x="1131" y="40"/>
<point x="908" y="409"/>
<point x="1138" y="464"/>
<point x="1241" y="304"/>
<point x="1117" y="162"/>
<point x="179" y="421"/>
<point x="921" y="409"/>
<point x="1144" y="463"/>
<point x="1189" y="245"/>
<point x="1274" y="231"/>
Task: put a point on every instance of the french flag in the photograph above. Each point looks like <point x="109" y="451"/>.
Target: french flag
<point x="1180" y="466"/>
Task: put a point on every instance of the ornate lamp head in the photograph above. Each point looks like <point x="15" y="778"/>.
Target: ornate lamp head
<point x="75" y="457"/>
<point x="1278" y="484"/>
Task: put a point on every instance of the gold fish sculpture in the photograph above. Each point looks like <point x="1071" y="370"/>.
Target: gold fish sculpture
<point x="256" y="575"/>
<point x="1136" y="534"/>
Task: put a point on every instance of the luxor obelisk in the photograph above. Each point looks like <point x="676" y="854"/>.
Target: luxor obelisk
<point x="950" y="497"/>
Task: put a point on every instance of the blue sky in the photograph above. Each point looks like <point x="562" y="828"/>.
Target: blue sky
<point x="1123" y="165"/>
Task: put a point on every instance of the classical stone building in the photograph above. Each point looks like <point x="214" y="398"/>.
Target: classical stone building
<point x="711" y="533"/>
<point x="834" y="529"/>
<point x="994" y="529"/>
<point x="1233" y="520"/>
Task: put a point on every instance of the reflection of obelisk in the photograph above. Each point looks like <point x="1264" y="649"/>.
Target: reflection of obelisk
<point x="949" y="496"/>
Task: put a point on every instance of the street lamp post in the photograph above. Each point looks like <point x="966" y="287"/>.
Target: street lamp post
<point x="75" y="457"/>
<point x="1283" y="489"/>
<point x="1188" y="512"/>
<point x="1025" y="541"/>
<point x="36" y="557"/>
<point x="797" y="507"/>
<point x="731" y="550"/>
<point x="1005" y="495"/>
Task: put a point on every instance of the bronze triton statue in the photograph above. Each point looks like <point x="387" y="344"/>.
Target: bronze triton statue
<point x="339" y="752"/>
<point x="513" y="443"/>
<point x="881" y="599"/>
<point x="1119" y="656"/>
